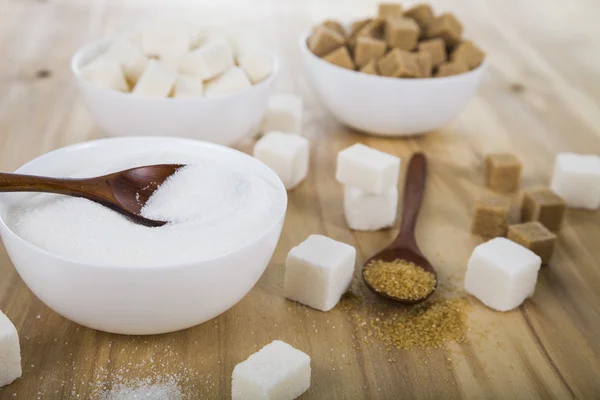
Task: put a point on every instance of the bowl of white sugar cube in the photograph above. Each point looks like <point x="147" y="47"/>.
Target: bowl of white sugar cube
<point x="225" y="212"/>
<point x="174" y="78"/>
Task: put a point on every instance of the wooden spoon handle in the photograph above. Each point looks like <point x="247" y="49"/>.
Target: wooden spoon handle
<point x="414" y="188"/>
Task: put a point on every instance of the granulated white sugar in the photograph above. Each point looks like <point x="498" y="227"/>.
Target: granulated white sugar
<point x="214" y="205"/>
<point x="144" y="391"/>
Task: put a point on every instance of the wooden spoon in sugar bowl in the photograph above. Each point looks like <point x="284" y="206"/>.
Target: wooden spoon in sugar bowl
<point x="125" y="192"/>
<point x="400" y="272"/>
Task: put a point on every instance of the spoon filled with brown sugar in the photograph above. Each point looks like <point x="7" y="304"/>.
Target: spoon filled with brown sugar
<point x="400" y="272"/>
<point x="125" y="192"/>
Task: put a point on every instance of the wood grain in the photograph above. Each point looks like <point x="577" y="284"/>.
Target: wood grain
<point x="541" y="95"/>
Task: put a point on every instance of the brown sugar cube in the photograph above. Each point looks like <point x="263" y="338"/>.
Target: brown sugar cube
<point x="358" y="25"/>
<point x="468" y="52"/>
<point x="399" y="64"/>
<point x="324" y="40"/>
<point x="335" y="26"/>
<point x="425" y="64"/>
<point x="401" y="33"/>
<point x="436" y="47"/>
<point x="490" y="217"/>
<point x="340" y="57"/>
<point x="502" y="172"/>
<point x="372" y="29"/>
<point x="447" y="27"/>
<point x="451" y="68"/>
<point x="368" y="49"/>
<point x="534" y="236"/>
<point x="422" y="14"/>
<point x="390" y="10"/>
<point x="370" y="68"/>
<point x="544" y="206"/>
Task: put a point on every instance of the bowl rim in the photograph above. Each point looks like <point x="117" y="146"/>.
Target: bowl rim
<point x="83" y="51"/>
<point x="304" y="48"/>
<point x="171" y="265"/>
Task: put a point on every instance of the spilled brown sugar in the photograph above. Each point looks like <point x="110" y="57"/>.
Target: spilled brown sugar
<point x="400" y="279"/>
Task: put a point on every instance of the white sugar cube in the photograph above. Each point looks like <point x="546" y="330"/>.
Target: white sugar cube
<point x="258" y="65"/>
<point x="156" y="81"/>
<point x="106" y="74"/>
<point x="283" y="113"/>
<point x="131" y="58"/>
<point x="318" y="272"/>
<point x="208" y="61"/>
<point x="233" y="80"/>
<point x="166" y="40"/>
<point x="367" y="169"/>
<point x="10" y="352"/>
<point x="278" y="371"/>
<point x="576" y="179"/>
<point x="286" y="154"/>
<point x="366" y="211"/>
<point x="203" y="35"/>
<point x="502" y="274"/>
<point x="187" y="86"/>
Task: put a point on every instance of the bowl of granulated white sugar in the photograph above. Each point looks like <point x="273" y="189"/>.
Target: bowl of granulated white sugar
<point x="225" y="212"/>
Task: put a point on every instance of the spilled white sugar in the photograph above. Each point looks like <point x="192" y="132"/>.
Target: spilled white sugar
<point x="144" y="391"/>
<point x="213" y="205"/>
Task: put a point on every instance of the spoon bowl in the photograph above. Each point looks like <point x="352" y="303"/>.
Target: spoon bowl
<point x="405" y="247"/>
<point x="126" y="192"/>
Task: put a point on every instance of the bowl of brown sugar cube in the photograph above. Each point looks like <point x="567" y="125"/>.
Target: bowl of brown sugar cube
<point x="403" y="72"/>
<point x="175" y="78"/>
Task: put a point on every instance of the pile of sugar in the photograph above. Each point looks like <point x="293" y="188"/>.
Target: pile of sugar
<point x="214" y="206"/>
<point x="169" y="390"/>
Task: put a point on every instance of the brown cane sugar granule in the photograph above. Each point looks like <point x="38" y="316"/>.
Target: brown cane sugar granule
<point x="400" y="279"/>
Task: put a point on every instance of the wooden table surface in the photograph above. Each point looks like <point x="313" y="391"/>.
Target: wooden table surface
<point x="541" y="95"/>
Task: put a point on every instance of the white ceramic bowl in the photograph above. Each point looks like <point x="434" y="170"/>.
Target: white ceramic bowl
<point x="138" y="300"/>
<point x="218" y="119"/>
<point x="388" y="106"/>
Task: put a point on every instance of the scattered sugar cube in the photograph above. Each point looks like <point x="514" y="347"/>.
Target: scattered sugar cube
<point x="10" y="352"/>
<point x="401" y="33"/>
<point x="283" y="113"/>
<point x="257" y="65"/>
<point x="399" y="64"/>
<point x="286" y="154"/>
<point x="324" y="40"/>
<point x="106" y="74"/>
<point x="156" y="81"/>
<point x="502" y="274"/>
<point x="436" y="47"/>
<point x="576" y="179"/>
<point x="132" y="60"/>
<point x="166" y="40"/>
<point x="370" y="68"/>
<point x="367" y="169"/>
<point x="456" y="67"/>
<point x="318" y="272"/>
<point x="187" y="86"/>
<point x="365" y="211"/>
<point x="468" y="52"/>
<point x="368" y="49"/>
<point x="390" y="10"/>
<point x="233" y="80"/>
<point x="535" y="237"/>
<point x="208" y="61"/>
<point x="422" y="14"/>
<point x="340" y="57"/>
<point x="503" y="172"/>
<point x="545" y="206"/>
<point x="447" y="27"/>
<point x="490" y="216"/>
<point x="425" y="63"/>
<point x="278" y="371"/>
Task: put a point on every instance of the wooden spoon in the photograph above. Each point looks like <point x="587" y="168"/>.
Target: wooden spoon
<point x="125" y="192"/>
<point x="405" y="247"/>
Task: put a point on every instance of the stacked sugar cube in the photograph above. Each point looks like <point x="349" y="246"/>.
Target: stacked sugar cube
<point x="10" y="352"/>
<point x="177" y="59"/>
<point x="370" y="179"/>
